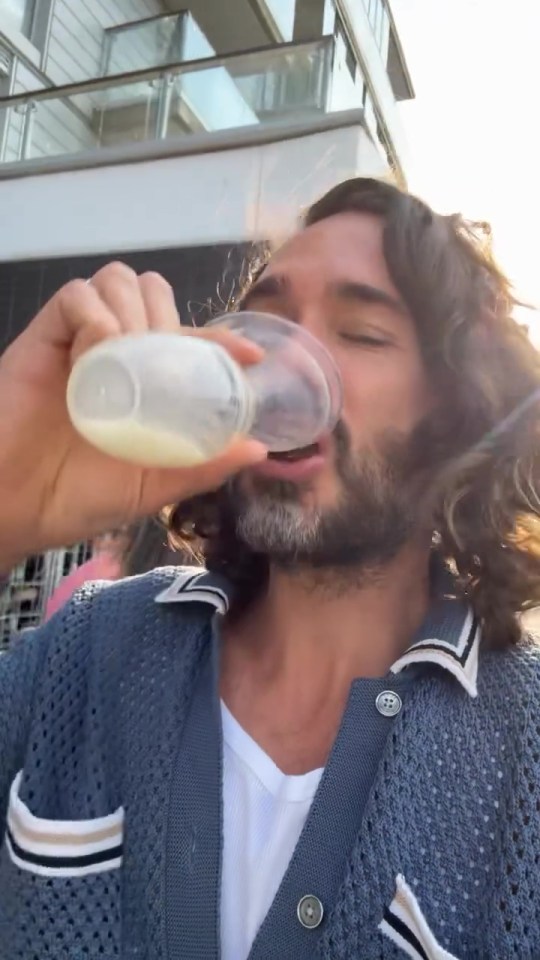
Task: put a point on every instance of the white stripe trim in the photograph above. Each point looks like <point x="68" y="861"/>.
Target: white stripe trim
<point x="436" y="653"/>
<point x="61" y="849"/>
<point x="432" y="656"/>
<point x="69" y="828"/>
<point x="457" y="647"/>
<point x="188" y="588"/>
<point x="42" y="871"/>
<point x="195" y="585"/>
<point x="406" y="908"/>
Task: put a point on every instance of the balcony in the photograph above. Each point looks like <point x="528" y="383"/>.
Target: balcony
<point x="197" y="93"/>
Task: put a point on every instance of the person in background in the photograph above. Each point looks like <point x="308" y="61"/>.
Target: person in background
<point x="138" y="549"/>
<point x="326" y="742"/>
<point x="104" y="564"/>
<point x="147" y="547"/>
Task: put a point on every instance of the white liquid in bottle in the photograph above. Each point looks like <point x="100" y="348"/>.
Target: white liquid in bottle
<point x="135" y="443"/>
<point x="157" y="400"/>
<point x="173" y="400"/>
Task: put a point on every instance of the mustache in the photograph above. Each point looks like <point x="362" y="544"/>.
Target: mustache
<point x="342" y="440"/>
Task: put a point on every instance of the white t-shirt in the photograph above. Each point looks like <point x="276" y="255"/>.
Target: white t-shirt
<point x="264" y="811"/>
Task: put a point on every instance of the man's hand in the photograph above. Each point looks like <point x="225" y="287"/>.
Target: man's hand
<point x="55" y="488"/>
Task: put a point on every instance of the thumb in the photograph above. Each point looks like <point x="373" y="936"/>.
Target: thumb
<point x="169" y="486"/>
<point x="241" y="453"/>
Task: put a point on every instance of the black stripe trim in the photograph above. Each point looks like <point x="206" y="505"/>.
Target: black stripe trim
<point x="440" y="648"/>
<point x="404" y="932"/>
<point x="185" y="584"/>
<point x="88" y="860"/>
<point x="201" y="588"/>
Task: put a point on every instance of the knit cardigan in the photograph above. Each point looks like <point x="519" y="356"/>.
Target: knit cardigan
<point x="106" y="768"/>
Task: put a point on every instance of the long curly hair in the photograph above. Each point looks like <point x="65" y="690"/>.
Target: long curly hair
<point x="485" y="455"/>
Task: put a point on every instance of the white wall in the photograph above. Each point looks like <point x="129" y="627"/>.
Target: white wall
<point x="230" y="195"/>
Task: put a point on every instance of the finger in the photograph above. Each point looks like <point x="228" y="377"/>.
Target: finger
<point x="118" y="286"/>
<point x="75" y="317"/>
<point x="159" y="303"/>
<point x="241" y="453"/>
<point x="242" y="350"/>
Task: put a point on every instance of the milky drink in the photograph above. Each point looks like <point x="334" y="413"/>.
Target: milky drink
<point x="174" y="400"/>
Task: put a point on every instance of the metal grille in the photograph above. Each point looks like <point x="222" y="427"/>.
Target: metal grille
<point x="23" y="597"/>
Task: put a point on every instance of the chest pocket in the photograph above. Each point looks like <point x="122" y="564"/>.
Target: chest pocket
<point x="60" y="885"/>
<point x="62" y="848"/>
<point x="405" y="925"/>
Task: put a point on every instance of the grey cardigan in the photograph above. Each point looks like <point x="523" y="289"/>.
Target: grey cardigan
<point x="423" y="840"/>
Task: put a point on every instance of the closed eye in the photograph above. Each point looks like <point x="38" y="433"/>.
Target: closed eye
<point x="364" y="339"/>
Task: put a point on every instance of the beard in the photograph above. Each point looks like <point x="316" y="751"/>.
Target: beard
<point x="376" y="514"/>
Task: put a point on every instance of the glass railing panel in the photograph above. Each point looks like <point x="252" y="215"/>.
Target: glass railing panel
<point x="148" y="43"/>
<point x="208" y="95"/>
<point x="279" y="83"/>
<point x="347" y="85"/>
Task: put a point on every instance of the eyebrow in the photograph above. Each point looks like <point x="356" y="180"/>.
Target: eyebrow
<point x="277" y="286"/>
<point x="365" y="293"/>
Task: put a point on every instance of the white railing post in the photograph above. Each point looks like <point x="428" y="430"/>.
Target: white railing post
<point x="28" y="109"/>
<point x="164" y="106"/>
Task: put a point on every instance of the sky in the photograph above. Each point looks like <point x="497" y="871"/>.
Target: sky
<point x="474" y="128"/>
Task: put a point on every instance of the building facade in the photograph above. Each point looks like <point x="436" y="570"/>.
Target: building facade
<point x="174" y="135"/>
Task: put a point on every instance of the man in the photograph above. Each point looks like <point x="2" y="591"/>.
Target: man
<point x="327" y="744"/>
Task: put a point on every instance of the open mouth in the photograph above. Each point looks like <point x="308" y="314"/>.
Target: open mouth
<point x="291" y="456"/>
<point x="300" y="465"/>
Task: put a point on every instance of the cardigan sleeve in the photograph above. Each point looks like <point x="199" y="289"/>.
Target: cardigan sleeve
<point x="20" y="668"/>
<point x="41" y="663"/>
<point x="30" y="655"/>
<point x="514" y="901"/>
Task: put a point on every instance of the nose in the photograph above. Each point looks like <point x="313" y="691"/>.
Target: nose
<point x="309" y="317"/>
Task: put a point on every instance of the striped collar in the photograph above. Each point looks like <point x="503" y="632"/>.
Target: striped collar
<point x="449" y="636"/>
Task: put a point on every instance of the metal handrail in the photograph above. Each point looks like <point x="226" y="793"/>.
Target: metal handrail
<point x="130" y="24"/>
<point x="151" y="73"/>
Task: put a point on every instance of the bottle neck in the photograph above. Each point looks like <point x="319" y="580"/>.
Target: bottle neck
<point x="247" y="405"/>
<point x="243" y="396"/>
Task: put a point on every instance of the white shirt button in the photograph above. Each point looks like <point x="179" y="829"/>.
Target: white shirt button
<point x="310" y="911"/>
<point x="388" y="703"/>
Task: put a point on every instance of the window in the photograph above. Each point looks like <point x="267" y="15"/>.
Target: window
<point x="380" y="23"/>
<point x="29" y="17"/>
<point x="329" y="17"/>
<point x="377" y="20"/>
<point x="344" y="48"/>
<point x="6" y="73"/>
<point x="282" y="13"/>
<point x="384" y="33"/>
<point x="18" y="14"/>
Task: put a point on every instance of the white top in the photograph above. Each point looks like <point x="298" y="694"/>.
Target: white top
<point x="264" y="811"/>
